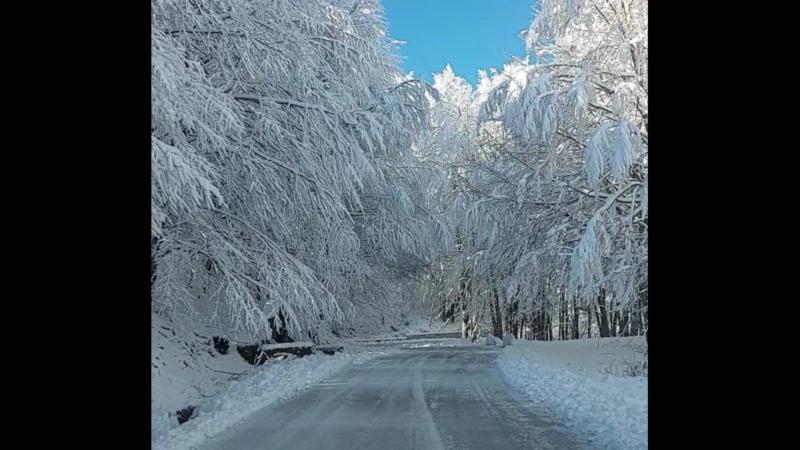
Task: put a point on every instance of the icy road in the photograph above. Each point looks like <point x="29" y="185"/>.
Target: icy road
<point x="421" y="398"/>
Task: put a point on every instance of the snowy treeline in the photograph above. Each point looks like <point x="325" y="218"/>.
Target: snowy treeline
<point x="284" y="184"/>
<point x="548" y="186"/>
<point x="299" y="175"/>
<point x="302" y="183"/>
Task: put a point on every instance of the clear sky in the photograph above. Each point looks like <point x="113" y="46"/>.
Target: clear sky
<point x="467" y="34"/>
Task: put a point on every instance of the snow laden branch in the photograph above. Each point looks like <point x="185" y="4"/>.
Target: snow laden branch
<point x="548" y="188"/>
<point x="279" y="129"/>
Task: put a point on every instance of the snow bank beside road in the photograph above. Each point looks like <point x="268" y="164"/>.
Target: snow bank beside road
<point x="269" y="384"/>
<point x="567" y="378"/>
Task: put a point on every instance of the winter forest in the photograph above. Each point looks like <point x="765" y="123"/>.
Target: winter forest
<point x="307" y="193"/>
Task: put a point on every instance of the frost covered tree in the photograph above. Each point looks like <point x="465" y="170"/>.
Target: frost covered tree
<point x="448" y="143"/>
<point x="283" y="180"/>
<point x="555" y="223"/>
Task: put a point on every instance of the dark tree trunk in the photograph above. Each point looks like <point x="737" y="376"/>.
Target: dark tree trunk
<point x="447" y="312"/>
<point x="279" y="328"/>
<point x="462" y="300"/>
<point x="496" y="318"/>
<point x="541" y="326"/>
<point x="589" y="322"/>
<point x="510" y="320"/>
<point x="602" y="315"/>
<point x="562" y="318"/>
<point x="576" y="332"/>
<point x="154" y="241"/>
<point x="636" y="320"/>
<point x="541" y="330"/>
<point x="614" y="322"/>
<point x="598" y="320"/>
<point x="645" y="316"/>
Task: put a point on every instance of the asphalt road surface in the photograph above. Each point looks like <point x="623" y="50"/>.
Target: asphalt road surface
<point x="421" y="398"/>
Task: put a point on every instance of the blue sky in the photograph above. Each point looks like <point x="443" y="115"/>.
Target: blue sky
<point x="467" y="34"/>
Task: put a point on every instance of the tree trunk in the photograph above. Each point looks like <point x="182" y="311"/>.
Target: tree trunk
<point x="510" y="318"/>
<point x="624" y="322"/>
<point x="463" y="287"/>
<point x="576" y="332"/>
<point x="496" y="314"/>
<point x="589" y="322"/>
<point x="154" y="241"/>
<point x="614" y="321"/>
<point x="645" y="316"/>
<point x="562" y="318"/>
<point x="597" y="319"/>
<point x="464" y="320"/>
<point x="602" y="318"/>
<point x="279" y="328"/>
<point x="541" y="324"/>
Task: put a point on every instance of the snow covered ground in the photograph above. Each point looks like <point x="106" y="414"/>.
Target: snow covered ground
<point x="579" y="382"/>
<point x="265" y="385"/>
<point x="186" y="370"/>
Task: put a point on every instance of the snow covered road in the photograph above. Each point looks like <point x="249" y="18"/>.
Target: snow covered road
<point x="420" y="398"/>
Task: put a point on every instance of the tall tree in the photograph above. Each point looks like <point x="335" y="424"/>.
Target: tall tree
<point x="283" y="174"/>
<point x="554" y="189"/>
